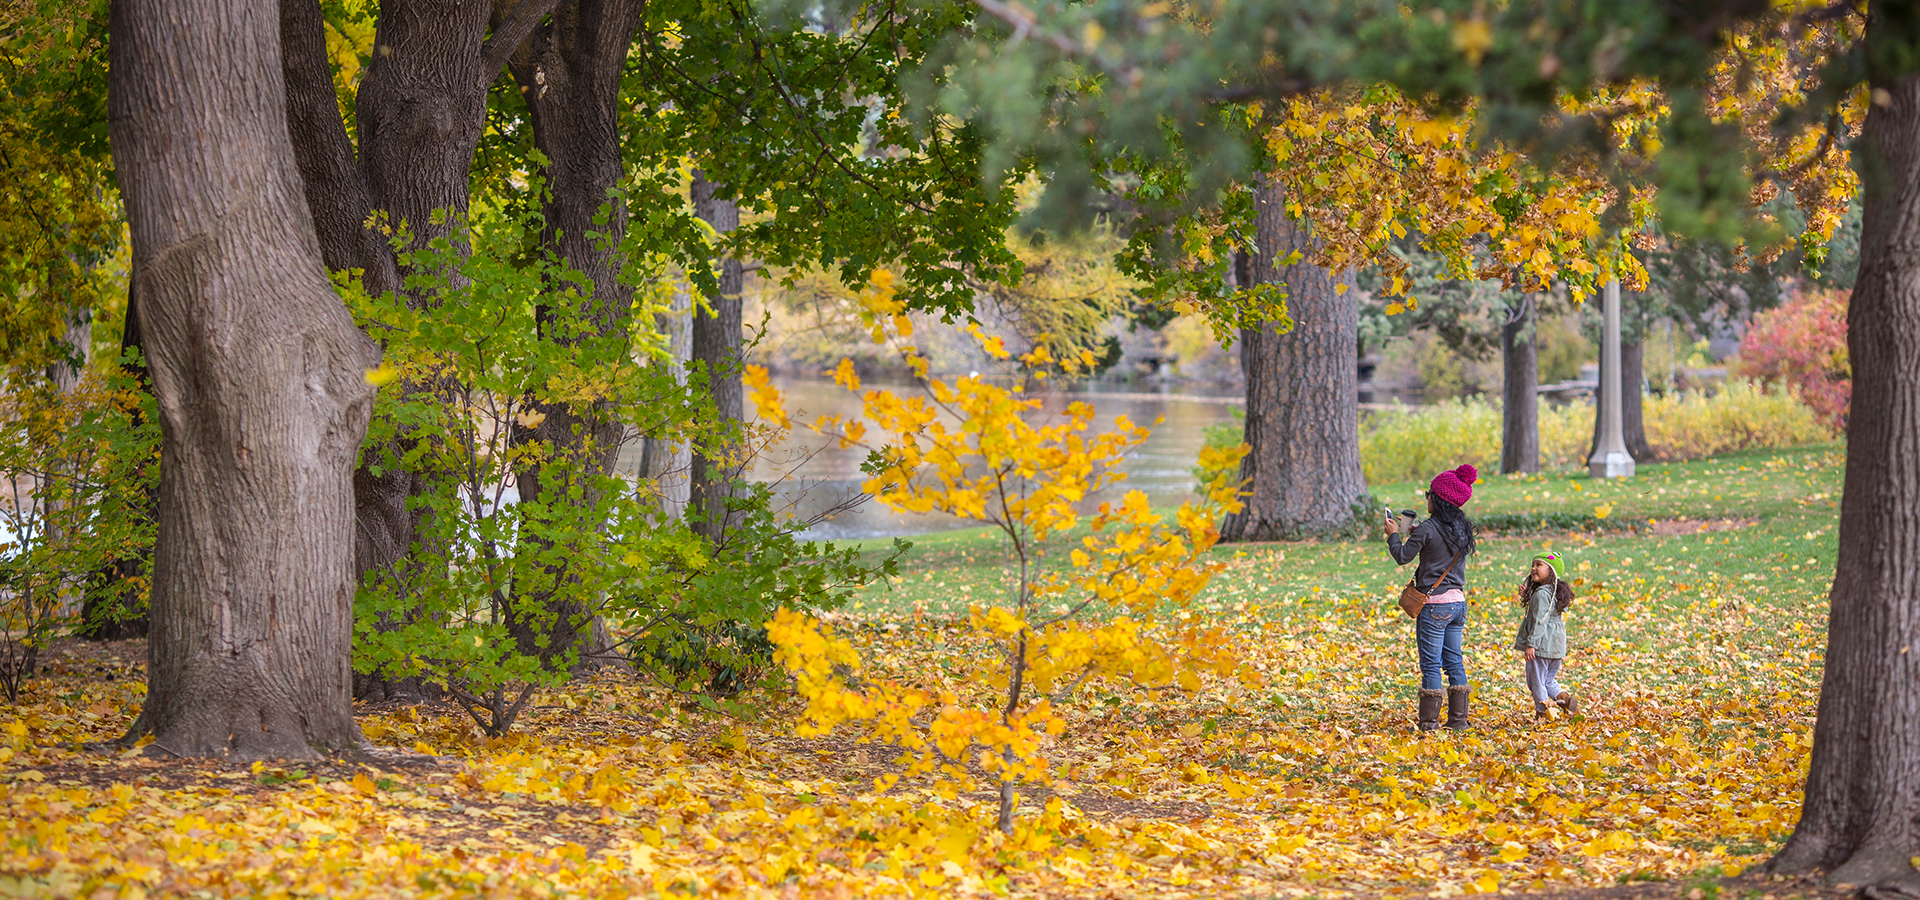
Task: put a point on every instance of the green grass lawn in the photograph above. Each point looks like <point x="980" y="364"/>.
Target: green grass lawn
<point x="1790" y="495"/>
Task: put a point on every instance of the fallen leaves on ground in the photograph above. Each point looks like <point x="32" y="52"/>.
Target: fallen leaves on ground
<point x="1310" y="784"/>
<point x="1696" y="660"/>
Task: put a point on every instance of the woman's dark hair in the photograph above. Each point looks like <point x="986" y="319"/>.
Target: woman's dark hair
<point x="1453" y="523"/>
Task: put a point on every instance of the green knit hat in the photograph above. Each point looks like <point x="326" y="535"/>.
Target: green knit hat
<point x="1555" y="561"/>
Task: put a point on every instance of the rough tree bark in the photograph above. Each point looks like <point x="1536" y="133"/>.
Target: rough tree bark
<point x="336" y="191"/>
<point x="716" y="351"/>
<point x="1303" y="396"/>
<point x="1861" y="817"/>
<point x="260" y="377"/>
<point x="569" y="72"/>
<point x="1520" y="405"/>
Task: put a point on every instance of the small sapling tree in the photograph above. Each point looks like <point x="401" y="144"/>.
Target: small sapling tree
<point x="981" y="451"/>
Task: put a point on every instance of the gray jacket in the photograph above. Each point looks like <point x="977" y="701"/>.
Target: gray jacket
<point x="1543" y="629"/>
<point x="1430" y="545"/>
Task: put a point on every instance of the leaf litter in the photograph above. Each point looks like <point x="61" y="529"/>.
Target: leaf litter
<point x="1301" y="778"/>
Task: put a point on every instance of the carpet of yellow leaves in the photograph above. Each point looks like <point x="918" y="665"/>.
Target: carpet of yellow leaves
<point x="1690" y="754"/>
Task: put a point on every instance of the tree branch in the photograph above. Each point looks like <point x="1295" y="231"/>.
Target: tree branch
<point x="511" y="31"/>
<point x="336" y="191"/>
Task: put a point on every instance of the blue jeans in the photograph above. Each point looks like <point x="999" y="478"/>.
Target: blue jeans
<point x="1438" y="631"/>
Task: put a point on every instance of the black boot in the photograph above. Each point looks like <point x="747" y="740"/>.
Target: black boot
<point x="1430" y="701"/>
<point x="1457" y="706"/>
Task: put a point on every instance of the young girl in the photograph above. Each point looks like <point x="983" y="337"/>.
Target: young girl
<point x="1543" y="633"/>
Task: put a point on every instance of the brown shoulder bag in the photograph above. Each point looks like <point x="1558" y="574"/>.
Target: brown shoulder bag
<point x="1413" y="598"/>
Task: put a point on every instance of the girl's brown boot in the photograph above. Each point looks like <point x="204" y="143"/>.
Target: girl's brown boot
<point x="1430" y="701"/>
<point x="1457" y="706"/>
<point x="1566" y="702"/>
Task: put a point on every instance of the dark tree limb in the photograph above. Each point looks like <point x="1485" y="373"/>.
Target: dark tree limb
<point x="335" y="189"/>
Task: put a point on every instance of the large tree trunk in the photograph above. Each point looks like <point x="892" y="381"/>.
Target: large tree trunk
<point x="421" y="109"/>
<point x="1520" y="405"/>
<point x="569" y="72"/>
<point x="716" y="352"/>
<point x="1861" y="817"/>
<point x="261" y="381"/>
<point x="1303" y="396"/>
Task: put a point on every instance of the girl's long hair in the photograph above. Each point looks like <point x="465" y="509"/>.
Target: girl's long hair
<point x="1562" y="592"/>
<point x="1452" y="522"/>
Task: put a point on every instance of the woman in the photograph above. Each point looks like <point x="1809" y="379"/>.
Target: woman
<point x="1442" y="544"/>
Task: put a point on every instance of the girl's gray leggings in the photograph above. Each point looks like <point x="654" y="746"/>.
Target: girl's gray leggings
<point x="1543" y="678"/>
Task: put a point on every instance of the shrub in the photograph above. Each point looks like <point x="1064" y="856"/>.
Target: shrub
<point x="75" y="468"/>
<point x="1552" y="523"/>
<point x="1411" y="443"/>
<point x="1414" y="442"/>
<point x="496" y="597"/>
<point x="1803" y="344"/>
<point x="1742" y="415"/>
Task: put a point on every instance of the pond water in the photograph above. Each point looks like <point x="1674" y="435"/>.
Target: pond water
<point x="812" y="475"/>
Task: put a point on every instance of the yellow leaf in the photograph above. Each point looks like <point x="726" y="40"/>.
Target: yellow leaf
<point x="640" y="858"/>
<point x="382" y="375"/>
<point x="316" y="826"/>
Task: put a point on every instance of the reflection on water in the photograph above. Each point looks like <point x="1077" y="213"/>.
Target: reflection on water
<point x="812" y="474"/>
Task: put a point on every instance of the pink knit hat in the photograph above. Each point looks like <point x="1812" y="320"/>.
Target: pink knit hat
<point x="1455" y="487"/>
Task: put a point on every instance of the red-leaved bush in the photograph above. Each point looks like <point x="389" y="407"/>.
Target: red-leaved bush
<point x="1804" y="344"/>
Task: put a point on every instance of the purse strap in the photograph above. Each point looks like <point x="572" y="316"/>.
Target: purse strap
<point x="1443" y="575"/>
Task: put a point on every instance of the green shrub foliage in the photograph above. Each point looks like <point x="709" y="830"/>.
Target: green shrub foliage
<point x="499" y="595"/>
<point x="76" y="466"/>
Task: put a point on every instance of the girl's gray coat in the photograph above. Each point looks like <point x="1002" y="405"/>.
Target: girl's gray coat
<point x="1543" y="629"/>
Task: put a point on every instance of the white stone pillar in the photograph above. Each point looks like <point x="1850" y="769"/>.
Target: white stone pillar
<point x="1610" y="457"/>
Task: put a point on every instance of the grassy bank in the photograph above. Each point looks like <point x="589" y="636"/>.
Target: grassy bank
<point x="1789" y="495"/>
